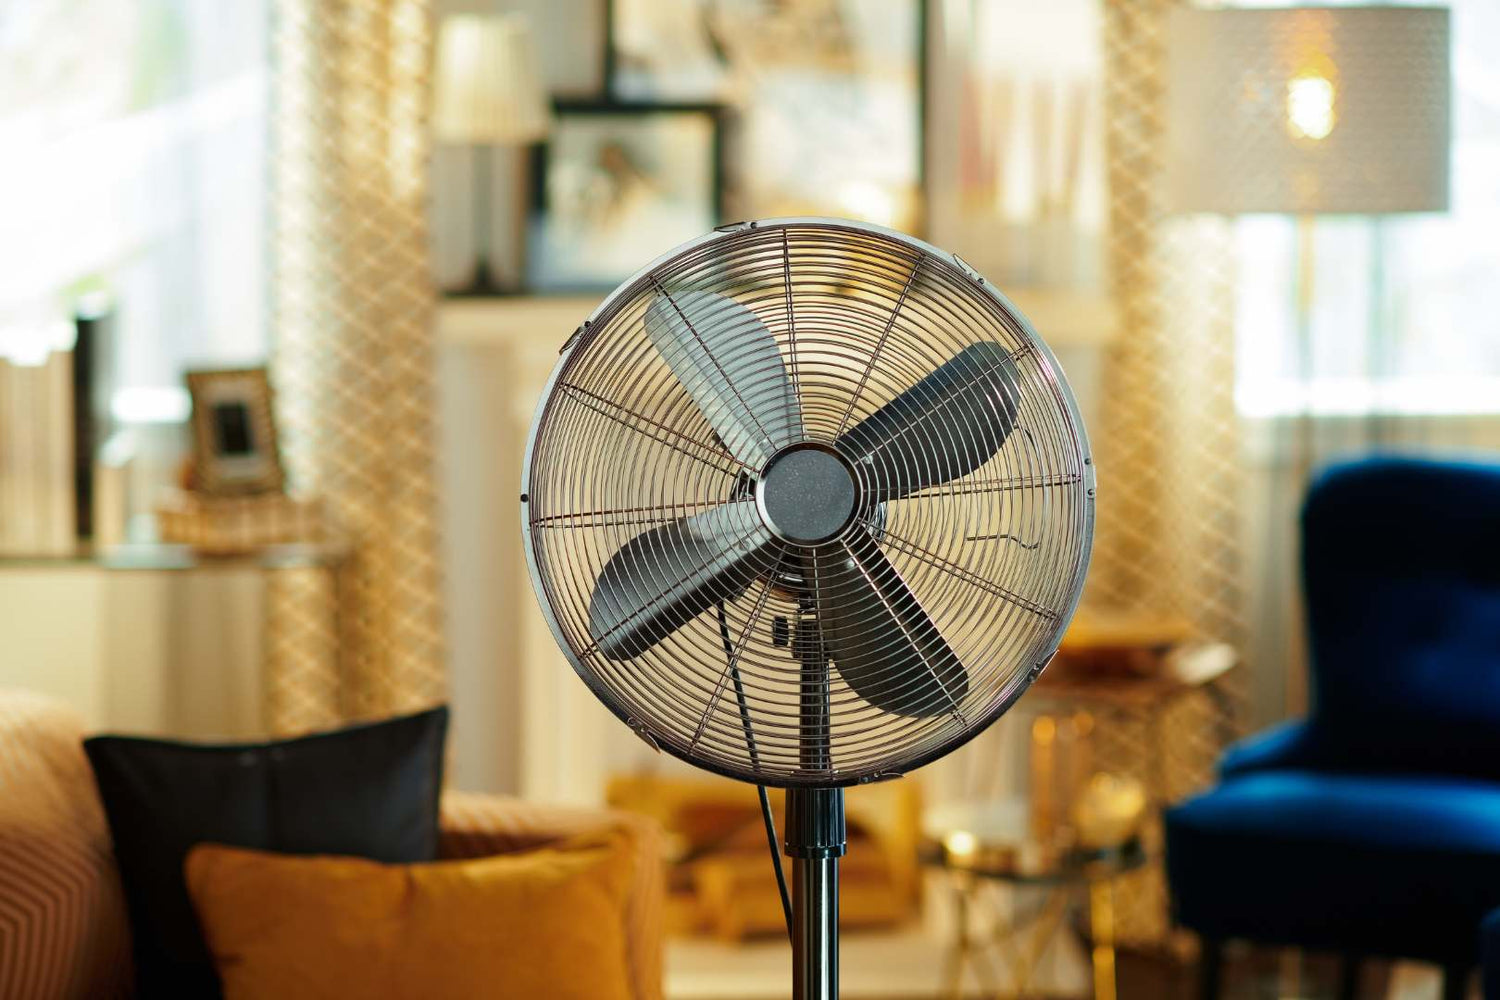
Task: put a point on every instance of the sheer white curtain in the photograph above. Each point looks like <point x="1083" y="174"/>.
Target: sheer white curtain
<point x="134" y="138"/>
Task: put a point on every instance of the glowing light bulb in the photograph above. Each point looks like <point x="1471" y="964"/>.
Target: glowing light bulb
<point x="961" y="843"/>
<point x="1309" y="107"/>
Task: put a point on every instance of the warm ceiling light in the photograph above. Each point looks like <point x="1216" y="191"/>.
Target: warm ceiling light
<point x="1309" y="107"/>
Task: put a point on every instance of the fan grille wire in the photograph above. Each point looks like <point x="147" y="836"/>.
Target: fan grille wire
<point x="996" y="558"/>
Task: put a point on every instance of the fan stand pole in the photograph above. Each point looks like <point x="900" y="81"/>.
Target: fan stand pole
<point x="815" y="842"/>
<point x="815" y="837"/>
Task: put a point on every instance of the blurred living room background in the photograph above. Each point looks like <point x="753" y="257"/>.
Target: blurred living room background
<point x="281" y="282"/>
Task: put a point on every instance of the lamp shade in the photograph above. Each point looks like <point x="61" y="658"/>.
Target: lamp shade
<point x="1307" y="110"/>
<point x="488" y="89"/>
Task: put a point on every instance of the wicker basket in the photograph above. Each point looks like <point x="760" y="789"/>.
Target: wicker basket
<point x="235" y="525"/>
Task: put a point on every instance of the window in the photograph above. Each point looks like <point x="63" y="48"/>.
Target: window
<point x="135" y="135"/>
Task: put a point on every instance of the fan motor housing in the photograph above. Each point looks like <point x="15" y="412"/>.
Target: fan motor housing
<point x="808" y="493"/>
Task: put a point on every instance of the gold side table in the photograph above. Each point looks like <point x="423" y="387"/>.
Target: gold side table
<point x="1164" y="726"/>
<point x="978" y="851"/>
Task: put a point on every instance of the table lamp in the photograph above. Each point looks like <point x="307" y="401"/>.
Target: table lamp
<point x="488" y="92"/>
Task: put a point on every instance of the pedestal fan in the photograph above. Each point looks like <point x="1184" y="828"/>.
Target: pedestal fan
<point x="807" y="503"/>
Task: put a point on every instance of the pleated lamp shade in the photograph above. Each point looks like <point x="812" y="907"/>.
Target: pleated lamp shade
<point x="488" y="89"/>
<point x="1306" y="110"/>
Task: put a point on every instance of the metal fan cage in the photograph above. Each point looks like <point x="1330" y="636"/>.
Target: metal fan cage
<point x="859" y="314"/>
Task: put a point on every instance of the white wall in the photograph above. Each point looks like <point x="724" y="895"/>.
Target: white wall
<point x="481" y="462"/>
<point x="142" y="652"/>
<point x="512" y="688"/>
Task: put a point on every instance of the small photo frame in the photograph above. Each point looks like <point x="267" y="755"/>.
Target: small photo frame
<point x="235" y="451"/>
<point x="618" y="184"/>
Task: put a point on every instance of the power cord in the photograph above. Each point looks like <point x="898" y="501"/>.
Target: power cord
<point x="765" y="799"/>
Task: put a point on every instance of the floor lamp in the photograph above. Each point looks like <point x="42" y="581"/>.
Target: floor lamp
<point x="488" y="92"/>
<point x="1307" y="111"/>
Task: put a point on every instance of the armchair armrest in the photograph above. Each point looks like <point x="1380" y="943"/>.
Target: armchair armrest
<point x="475" y="825"/>
<point x="1290" y="744"/>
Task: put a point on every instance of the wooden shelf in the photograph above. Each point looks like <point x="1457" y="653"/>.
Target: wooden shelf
<point x="176" y="558"/>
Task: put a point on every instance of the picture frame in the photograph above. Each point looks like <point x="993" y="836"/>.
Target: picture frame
<point x="827" y="99"/>
<point x="618" y="183"/>
<point x="235" y="448"/>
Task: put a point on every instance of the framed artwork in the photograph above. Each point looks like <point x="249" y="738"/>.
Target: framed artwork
<point x="827" y="97"/>
<point x="617" y="184"/>
<point x="234" y="433"/>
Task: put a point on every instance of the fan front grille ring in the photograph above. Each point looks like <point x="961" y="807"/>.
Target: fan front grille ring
<point x="936" y="599"/>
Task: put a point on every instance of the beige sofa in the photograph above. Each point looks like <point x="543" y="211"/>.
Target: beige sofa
<point x="63" y="928"/>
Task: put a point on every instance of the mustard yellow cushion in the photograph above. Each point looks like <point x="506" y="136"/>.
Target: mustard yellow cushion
<point x="546" y="923"/>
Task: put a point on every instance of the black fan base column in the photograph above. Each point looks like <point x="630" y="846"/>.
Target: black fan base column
<point x="815" y="840"/>
<point x="815" y="832"/>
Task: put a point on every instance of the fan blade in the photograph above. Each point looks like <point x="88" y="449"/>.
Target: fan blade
<point x="944" y="427"/>
<point x="730" y="365"/>
<point x="883" y="643"/>
<point x="664" y="578"/>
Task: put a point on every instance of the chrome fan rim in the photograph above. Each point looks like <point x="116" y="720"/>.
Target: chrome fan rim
<point x="992" y="556"/>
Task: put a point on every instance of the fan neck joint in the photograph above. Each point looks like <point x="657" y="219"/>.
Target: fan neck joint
<point x="815" y="823"/>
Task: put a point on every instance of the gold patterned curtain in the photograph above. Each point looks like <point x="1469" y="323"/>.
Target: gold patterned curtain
<point x="1169" y="450"/>
<point x="354" y="359"/>
<point x="1168" y="539"/>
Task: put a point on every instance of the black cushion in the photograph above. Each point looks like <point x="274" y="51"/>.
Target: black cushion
<point x="370" y="791"/>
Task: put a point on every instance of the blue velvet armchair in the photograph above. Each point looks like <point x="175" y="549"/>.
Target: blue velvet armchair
<point x="1372" y="827"/>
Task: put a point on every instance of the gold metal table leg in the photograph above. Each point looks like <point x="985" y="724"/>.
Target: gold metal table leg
<point x="1023" y="957"/>
<point x="1102" y="927"/>
<point x="969" y="949"/>
<point x="1022" y="945"/>
<point x="959" y="953"/>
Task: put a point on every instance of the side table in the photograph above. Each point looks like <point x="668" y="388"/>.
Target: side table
<point x="1164" y="726"/>
<point x="982" y="846"/>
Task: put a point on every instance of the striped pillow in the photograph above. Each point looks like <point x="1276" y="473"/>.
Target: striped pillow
<point x="63" y="929"/>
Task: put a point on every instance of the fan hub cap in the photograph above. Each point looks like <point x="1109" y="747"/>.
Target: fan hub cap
<point x="807" y="494"/>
